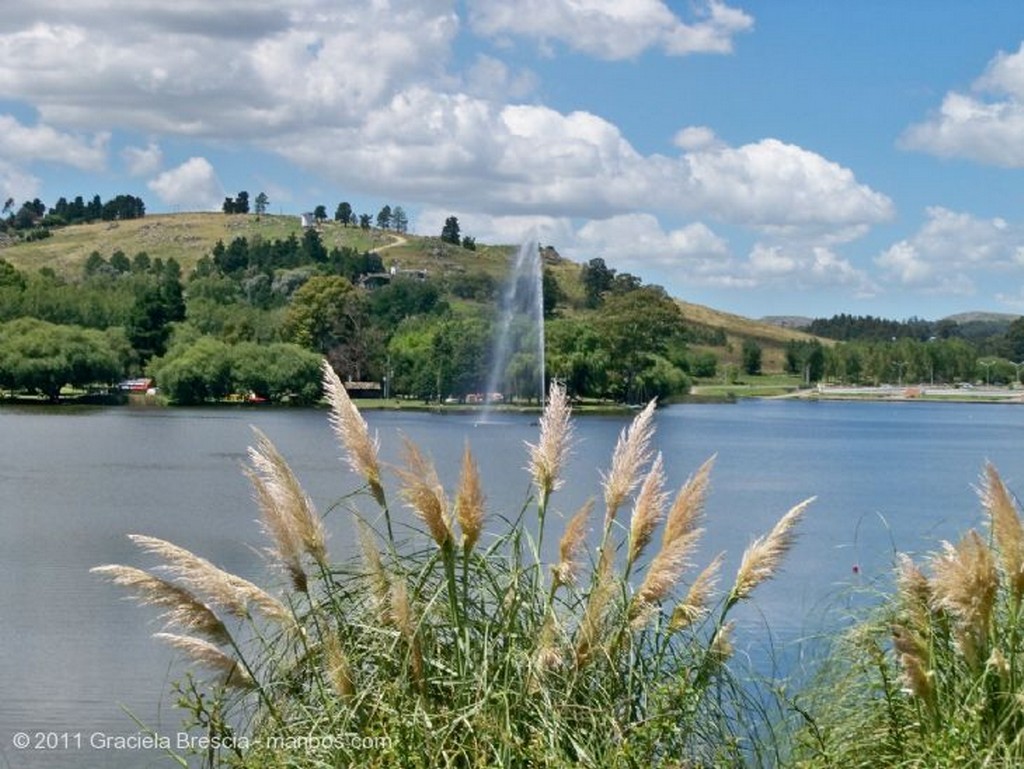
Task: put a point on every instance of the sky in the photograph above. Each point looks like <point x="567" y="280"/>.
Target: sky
<point x="762" y="157"/>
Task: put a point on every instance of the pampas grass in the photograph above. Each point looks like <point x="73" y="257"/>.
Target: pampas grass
<point x="932" y="676"/>
<point x="469" y="655"/>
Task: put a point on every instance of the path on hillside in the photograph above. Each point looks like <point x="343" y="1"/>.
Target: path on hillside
<point x="398" y="241"/>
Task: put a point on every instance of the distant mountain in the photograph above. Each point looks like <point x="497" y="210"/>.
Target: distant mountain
<point x="787" y="321"/>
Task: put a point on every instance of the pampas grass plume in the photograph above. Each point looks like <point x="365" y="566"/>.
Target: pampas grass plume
<point x="648" y="510"/>
<point x="1007" y="530"/>
<point x="469" y="502"/>
<point x="234" y="594"/>
<point x="181" y="607"/>
<point x="570" y="546"/>
<point x="353" y="433"/>
<point x="632" y="452"/>
<point x="424" y="494"/>
<point x="208" y="655"/>
<point x="548" y="455"/>
<point x="763" y="557"/>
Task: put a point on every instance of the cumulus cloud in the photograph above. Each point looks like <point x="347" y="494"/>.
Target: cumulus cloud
<point x="939" y="255"/>
<point x="639" y="240"/>
<point x="193" y="186"/>
<point x="143" y="161"/>
<point x="219" y="69"/>
<point x="16" y="183"/>
<point x="612" y="30"/>
<point x="45" y="143"/>
<point x="453" y="149"/>
<point x="986" y="124"/>
<point x="777" y="186"/>
<point x="694" y="138"/>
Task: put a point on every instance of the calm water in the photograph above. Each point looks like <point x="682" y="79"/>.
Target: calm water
<point x="74" y="658"/>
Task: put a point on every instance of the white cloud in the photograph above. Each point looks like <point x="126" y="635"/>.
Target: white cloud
<point x="143" y="161"/>
<point x="611" y="29"/>
<point x="639" y="240"/>
<point x="26" y="144"/>
<point x="224" y="70"/>
<point x="16" y="183"/>
<point x="695" y="138"/>
<point x="950" y="244"/>
<point x="986" y="125"/>
<point x="490" y="78"/>
<point x="193" y="186"/>
<point x="777" y="186"/>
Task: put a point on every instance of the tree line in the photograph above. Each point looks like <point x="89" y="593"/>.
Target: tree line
<point x="427" y="337"/>
<point x="34" y="216"/>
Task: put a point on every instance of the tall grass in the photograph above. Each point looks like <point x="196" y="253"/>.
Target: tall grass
<point x="934" y="677"/>
<point x="458" y="649"/>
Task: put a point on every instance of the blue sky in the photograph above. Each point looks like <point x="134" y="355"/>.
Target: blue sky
<point x="767" y="157"/>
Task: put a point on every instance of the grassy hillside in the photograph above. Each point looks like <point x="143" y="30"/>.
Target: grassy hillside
<point x="189" y="236"/>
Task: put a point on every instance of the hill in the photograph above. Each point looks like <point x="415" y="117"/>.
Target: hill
<point x="187" y="237"/>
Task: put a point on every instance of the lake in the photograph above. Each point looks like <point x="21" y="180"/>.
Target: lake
<point x="74" y="657"/>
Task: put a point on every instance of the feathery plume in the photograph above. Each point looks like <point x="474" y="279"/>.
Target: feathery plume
<point x="695" y="604"/>
<point x="914" y="658"/>
<point x="469" y="502"/>
<point x="289" y="502"/>
<point x="1004" y="518"/>
<point x="596" y="609"/>
<point x="277" y="525"/>
<point x="337" y="667"/>
<point x="662" y="575"/>
<point x="548" y="655"/>
<point x="353" y="433"/>
<point x="549" y="454"/>
<point x="688" y="506"/>
<point x="234" y="594"/>
<point x="403" y="619"/>
<point x="380" y="584"/>
<point x="181" y="607"/>
<point x="914" y="592"/>
<point x="648" y="510"/>
<point x="423" y="493"/>
<point x="721" y="643"/>
<point x="632" y="451"/>
<point x="210" y="656"/>
<point x="570" y="545"/>
<point x="762" y="558"/>
<point x="964" y="582"/>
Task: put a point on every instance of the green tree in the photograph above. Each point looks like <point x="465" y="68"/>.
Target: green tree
<point x="157" y="306"/>
<point x="597" y="279"/>
<point x="344" y="214"/>
<point x="275" y="372"/>
<point x="751" y="355"/>
<point x="194" y="372"/>
<point x="636" y="327"/>
<point x="399" y="219"/>
<point x="42" y="357"/>
<point x="323" y="313"/>
<point x="320" y="214"/>
<point x="384" y="217"/>
<point x="262" y="201"/>
<point x="450" y="231"/>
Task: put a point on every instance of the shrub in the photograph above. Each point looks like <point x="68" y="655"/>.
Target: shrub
<point x="449" y="650"/>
